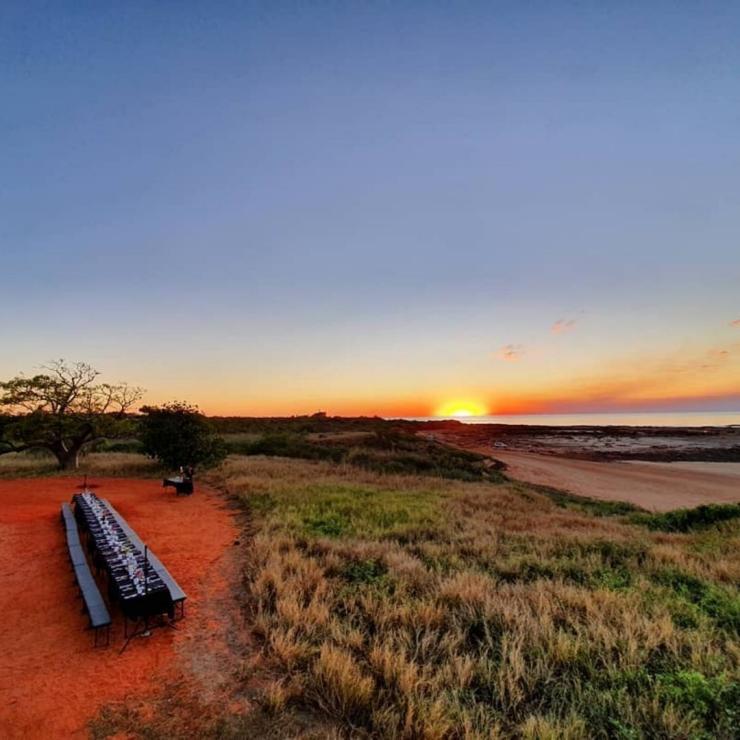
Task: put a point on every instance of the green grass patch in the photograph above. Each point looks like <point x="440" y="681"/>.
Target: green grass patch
<point x="584" y="504"/>
<point x="335" y="510"/>
<point x="712" y="600"/>
<point x="688" y="520"/>
<point x="364" y="571"/>
<point x="285" y="445"/>
<point x="593" y="564"/>
<point x="714" y="701"/>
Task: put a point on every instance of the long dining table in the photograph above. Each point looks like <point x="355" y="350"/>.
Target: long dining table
<point x="132" y="581"/>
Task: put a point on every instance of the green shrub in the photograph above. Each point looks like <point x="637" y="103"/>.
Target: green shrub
<point x="714" y="701"/>
<point x="712" y="600"/>
<point x="687" y="520"/>
<point x="594" y="506"/>
<point x="119" y="445"/>
<point x="278" y="444"/>
<point x="326" y="525"/>
<point x="364" y="571"/>
<point x="177" y="434"/>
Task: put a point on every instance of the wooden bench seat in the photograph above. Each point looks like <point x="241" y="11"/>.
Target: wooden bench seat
<point x="176" y="593"/>
<point x="68" y="518"/>
<point x="76" y="555"/>
<point x="93" y="603"/>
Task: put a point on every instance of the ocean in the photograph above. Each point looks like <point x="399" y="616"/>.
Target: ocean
<point x="659" y="419"/>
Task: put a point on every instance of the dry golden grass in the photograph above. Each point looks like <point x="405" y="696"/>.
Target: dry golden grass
<point x="401" y="606"/>
<point x="19" y="465"/>
<point x="416" y="607"/>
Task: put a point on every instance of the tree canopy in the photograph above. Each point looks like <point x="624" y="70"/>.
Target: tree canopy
<point x="177" y="434"/>
<point x="62" y="410"/>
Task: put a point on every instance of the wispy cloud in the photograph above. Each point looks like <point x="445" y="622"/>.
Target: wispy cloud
<point x="511" y="352"/>
<point x="719" y="354"/>
<point x="563" y="326"/>
<point x="688" y="377"/>
<point x="735" y="323"/>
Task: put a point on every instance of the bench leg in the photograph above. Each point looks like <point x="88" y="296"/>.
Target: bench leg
<point x="97" y="643"/>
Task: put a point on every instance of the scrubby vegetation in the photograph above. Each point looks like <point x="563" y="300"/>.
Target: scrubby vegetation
<point x="595" y="506"/>
<point x="388" y="450"/>
<point x="32" y="464"/>
<point x="178" y="433"/>
<point x="318" y="423"/>
<point x="410" y="606"/>
<point x="687" y="520"/>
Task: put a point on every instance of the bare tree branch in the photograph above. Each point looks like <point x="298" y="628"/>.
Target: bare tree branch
<point x="62" y="409"/>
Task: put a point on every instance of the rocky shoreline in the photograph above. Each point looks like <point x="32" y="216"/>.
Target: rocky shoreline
<point x="597" y="443"/>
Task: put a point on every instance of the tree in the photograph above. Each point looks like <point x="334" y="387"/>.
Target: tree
<point x="63" y="410"/>
<point x="177" y="434"/>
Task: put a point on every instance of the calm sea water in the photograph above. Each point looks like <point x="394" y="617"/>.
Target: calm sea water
<point x="663" y="419"/>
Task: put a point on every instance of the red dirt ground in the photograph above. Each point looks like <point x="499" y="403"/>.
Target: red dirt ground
<point x="52" y="680"/>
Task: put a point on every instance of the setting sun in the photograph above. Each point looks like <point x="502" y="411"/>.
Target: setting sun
<point x="461" y="409"/>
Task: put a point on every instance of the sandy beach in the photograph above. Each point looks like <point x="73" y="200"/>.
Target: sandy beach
<point x="653" y="486"/>
<point x="656" y="469"/>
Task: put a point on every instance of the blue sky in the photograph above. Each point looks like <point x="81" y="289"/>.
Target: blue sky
<point x="358" y="206"/>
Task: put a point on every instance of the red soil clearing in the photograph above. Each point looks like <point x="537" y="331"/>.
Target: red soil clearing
<point x="52" y="679"/>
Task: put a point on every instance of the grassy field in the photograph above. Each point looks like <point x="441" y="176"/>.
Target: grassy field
<point x="387" y="451"/>
<point x="389" y="604"/>
<point x="27" y="464"/>
<point x="409" y="606"/>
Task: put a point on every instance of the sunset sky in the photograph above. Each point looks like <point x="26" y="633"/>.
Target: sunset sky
<point x="376" y="207"/>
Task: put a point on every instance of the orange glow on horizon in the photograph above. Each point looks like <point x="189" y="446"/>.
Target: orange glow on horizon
<point x="461" y="409"/>
<point x="705" y="377"/>
<point x="570" y="400"/>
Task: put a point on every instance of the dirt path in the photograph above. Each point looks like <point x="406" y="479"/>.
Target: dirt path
<point x="654" y="486"/>
<point x="52" y="680"/>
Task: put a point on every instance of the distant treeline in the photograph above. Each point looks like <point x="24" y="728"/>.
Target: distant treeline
<point x="313" y="424"/>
